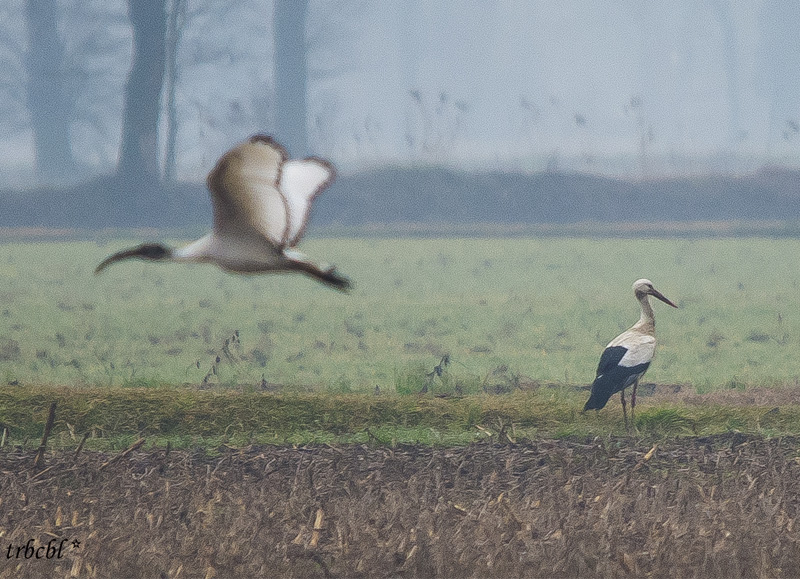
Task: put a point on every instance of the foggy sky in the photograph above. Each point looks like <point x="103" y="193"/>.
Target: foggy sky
<point x="620" y="88"/>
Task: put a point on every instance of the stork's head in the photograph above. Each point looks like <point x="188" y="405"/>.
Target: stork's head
<point x="644" y="287"/>
<point x="148" y="251"/>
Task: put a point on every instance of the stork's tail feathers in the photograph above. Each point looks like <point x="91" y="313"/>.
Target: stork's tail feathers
<point x="596" y="401"/>
<point x="603" y="388"/>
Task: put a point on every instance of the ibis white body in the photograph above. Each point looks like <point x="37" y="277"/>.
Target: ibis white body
<point x="261" y="203"/>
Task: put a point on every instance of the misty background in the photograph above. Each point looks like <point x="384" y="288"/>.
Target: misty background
<point x="112" y="112"/>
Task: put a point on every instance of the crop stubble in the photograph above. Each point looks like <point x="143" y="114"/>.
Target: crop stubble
<point x="711" y="507"/>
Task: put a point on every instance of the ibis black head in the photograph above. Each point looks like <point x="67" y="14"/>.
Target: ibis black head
<point x="148" y="251"/>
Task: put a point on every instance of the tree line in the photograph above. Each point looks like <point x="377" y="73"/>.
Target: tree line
<point x="149" y="91"/>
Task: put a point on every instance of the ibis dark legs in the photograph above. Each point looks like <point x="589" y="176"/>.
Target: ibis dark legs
<point x="327" y="276"/>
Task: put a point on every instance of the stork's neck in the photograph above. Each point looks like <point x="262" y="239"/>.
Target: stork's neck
<point x="647" y="320"/>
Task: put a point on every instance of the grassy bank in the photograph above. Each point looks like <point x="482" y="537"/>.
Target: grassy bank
<point x="113" y="418"/>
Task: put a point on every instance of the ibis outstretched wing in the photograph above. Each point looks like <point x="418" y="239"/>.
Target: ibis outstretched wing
<point x="245" y="191"/>
<point x="255" y="189"/>
<point x="301" y="181"/>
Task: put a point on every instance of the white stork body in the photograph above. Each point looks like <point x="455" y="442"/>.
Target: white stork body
<point x="261" y="203"/>
<point x="627" y="357"/>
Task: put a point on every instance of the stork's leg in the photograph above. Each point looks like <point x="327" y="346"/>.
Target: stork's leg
<point x="624" y="409"/>
<point x="633" y="402"/>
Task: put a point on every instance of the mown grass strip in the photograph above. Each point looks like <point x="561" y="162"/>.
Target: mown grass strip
<point x="206" y="413"/>
<point x="211" y="418"/>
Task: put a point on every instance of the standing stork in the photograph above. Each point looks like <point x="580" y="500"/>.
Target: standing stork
<point x="627" y="357"/>
<point x="261" y="203"/>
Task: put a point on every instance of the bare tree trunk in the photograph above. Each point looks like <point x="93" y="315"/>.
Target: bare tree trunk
<point x="780" y="66"/>
<point x="730" y="55"/>
<point x="177" y="16"/>
<point x="50" y="107"/>
<point x="138" y="160"/>
<point x="291" y="74"/>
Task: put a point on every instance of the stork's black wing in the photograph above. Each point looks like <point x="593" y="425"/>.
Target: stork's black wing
<point x="610" y="358"/>
<point x="611" y="377"/>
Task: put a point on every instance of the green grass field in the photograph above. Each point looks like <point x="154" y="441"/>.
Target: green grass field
<point x="543" y="308"/>
<point x="512" y="313"/>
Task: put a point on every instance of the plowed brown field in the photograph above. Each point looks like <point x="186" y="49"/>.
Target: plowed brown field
<point x="725" y="506"/>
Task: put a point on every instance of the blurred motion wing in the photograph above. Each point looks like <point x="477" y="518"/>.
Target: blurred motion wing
<point x="300" y="182"/>
<point x="245" y="193"/>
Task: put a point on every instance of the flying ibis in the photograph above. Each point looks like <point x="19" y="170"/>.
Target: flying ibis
<point x="627" y="357"/>
<point x="261" y="201"/>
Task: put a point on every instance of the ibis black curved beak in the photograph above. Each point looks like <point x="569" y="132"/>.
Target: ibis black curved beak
<point x="657" y="294"/>
<point x="148" y="251"/>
